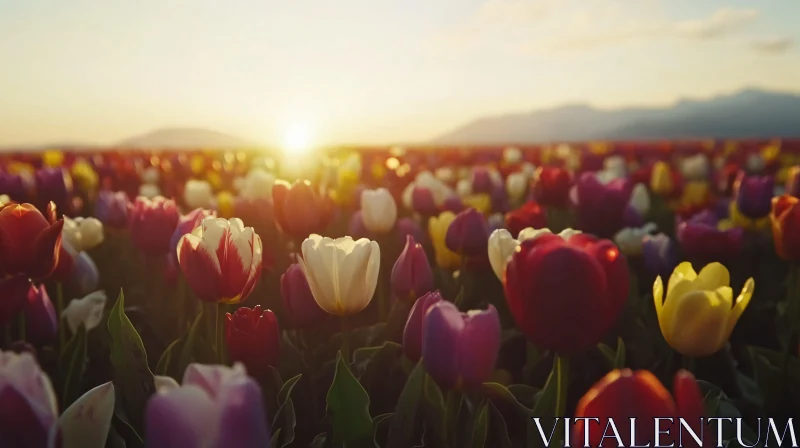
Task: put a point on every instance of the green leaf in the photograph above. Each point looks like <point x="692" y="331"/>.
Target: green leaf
<point x="452" y="411"/>
<point x="371" y="361"/>
<point x="480" y="427"/>
<point x="402" y="427"/>
<point x="498" y="426"/>
<point x="524" y="394"/>
<point x="608" y="354"/>
<point x="286" y="412"/>
<point x="379" y="423"/>
<point x="348" y="405"/>
<point x="273" y="441"/>
<point x="164" y="362"/>
<point x="132" y="376"/>
<point x="73" y="363"/>
<point x="434" y="410"/>
<point x="619" y="359"/>
<point x="545" y="410"/>
<point x="187" y="354"/>
<point x="503" y="397"/>
<point x="319" y="441"/>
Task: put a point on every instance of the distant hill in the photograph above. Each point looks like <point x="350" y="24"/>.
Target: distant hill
<point x="750" y="113"/>
<point x="185" y="138"/>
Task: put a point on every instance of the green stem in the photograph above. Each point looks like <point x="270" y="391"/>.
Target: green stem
<point x="22" y="332"/>
<point x="462" y="280"/>
<point x="62" y="335"/>
<point x="451" y="413"/>
<point x="345" y="339"/>
<point x="562" y="378"/>
<point x="382" y="299"/>
<point x="181" y="304"/>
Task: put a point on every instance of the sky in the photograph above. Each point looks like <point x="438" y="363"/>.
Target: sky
<point x="368" y="71"/>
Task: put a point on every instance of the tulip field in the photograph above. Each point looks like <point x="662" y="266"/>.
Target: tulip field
<point x="402" y="297"/>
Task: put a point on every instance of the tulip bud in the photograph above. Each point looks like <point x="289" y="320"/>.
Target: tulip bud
<point x="31" y="243"/>
<point x="699" y="312"/>
<point x="111" y="209"/>
<point x="203" y="410"/>
<point x="83" y="233"/>
<point x="753" y="195"/>
<point x="198" y="194"/>
<point x="468" y="234"/>
<point x="565" y="292"/>
<point x="604" y="401"/>
<point x="151" y="175"/>
<point x="298" y="301"/>
<point x="152" y="222"/>
<point x="253" y="338"/>
<point x="257" y="185"/>
<point x="459" y="350"/>
<point x="149" y="191"/>
<point x="379" y="211"/>
<point x="531" y="214"/>
<point x="630" y="239"/>
<point x="464" y="188"/>
<point x="411" y="273"/>
<point x="27" y="400"/>
<point x="413" y="330"/>
<point x="87" y="311"/>
<point x="342" y="285"/>
<point x="40" y="316"/>
<point x="502" y="245"/>
<point x="695" y="167"/>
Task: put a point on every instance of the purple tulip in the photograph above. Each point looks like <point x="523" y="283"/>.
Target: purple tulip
<point x="422" y="201"/>
<point x="413" y="331"/>
<point x="411" y="274"/>
<point x="112" y="209"/>
<point x="14" y="186"/>
<point x="459" y="350"/>
<point x="84" y="277"/>
<point x="187" y="223"/>
<point x="500" y="203"/>
<point x="482" y="180"/>
<point x="753" y="195"/>
<point x="216" y="406"/>
<point x="495" y="222"/>
<point x="28" y="407"/>
<point x="407" y="226"/>
<point x="454" y="204"/>
<point x="356" y="227"/>
<point x="299" y="304"/>
<point x="658" y="252"/>
<point x="40" y="316"/>
<point x="601" y="208"/>
<point x="468" y="234"/>
<point x="54" y="184"/>
<point x="701" y="240"/>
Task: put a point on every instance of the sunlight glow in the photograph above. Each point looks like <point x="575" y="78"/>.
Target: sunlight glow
<point x="297" y="140"/>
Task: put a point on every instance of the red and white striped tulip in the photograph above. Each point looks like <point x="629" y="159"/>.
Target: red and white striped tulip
<point x="221" y="260"/>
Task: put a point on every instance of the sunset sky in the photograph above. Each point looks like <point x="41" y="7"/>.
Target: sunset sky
<point x="368" y="71"/>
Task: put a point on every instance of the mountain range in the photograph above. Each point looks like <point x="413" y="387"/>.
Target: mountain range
<point x="750" y="113"/>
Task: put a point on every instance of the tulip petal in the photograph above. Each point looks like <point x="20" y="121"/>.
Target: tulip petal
<point x="357" y="268"/>
<point x="20" y="425"/>
<point x="741" y="304"/>
<point x="243" y="419"/>
<point x="47" y="247"/>
<point x="698" y="323"/>
<point x="85" y="424"/>
<point x="319" y="258"/>
<point x="210" y="378"/>
<point x="200" y="266"/>
<point x="185" y="417"/>
<point x="441" y="329"/>
<point x="165" y="383"/>
<point x="683" y="271"/>
<point x="479" y="344"/>
<point x="712" y="276"/>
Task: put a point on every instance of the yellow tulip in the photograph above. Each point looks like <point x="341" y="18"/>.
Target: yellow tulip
<point x="437" y="229"/>
<point x="699" y="312"/>
<point x="737" y="219"/>
<point x="661" y="179"/>
<point x="85" y="176"/>
<point x="225" y="201"/>
<point x="198" y="164"/>
<point x="481" y="202"/>
<point x="695" y="193"/>
<point x="53" y="158"/>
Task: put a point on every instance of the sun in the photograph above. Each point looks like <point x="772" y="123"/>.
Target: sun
<point x="297" y="140"/>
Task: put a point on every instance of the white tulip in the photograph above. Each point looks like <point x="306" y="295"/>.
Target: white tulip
<point x="755" y="163"/>
<point x="425" y="179"/>
<point x="82" y="233"/>
<point x="464" y="187"/>
<point x="342" y="273"/>
<point x="151" y="175"/>
<point x="630" y="239"/>
<point x="257" y="185"/>
<point x="616" y="164"/>
<point x="85" y="424"/>
<point x="378" y="210"/>
<point x="149" y="190"/>
<point x="4" y="199"/>
<point x="445" y="174"/>
<point x="87" y="311"/>
<point x="512" y="155"/>
<point x="198" y="194"/>
<point x="502" y="245"/>
<point x="695" y="167"/>
<point x="165" y="383"/>
<point x="528" y="169"/>
<point x="640" y="199"/>
<point x="517" y="185"/>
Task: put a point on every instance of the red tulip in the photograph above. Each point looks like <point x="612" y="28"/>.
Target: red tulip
<point x="785" y="218"/>
<point x="551" y="186"/>
<point x="152" y="222"/>
<point x="253" y="338"/>
<point x="298" y="301"/>
<point x="29" y="243"/>
<point x="299" y="210"/>
<point x="531" y="214"/>
<point x="565" y="293"/>
<point x="623" y="394"/>
<point x="221" y="260"/>
<point x="411" y="274"/>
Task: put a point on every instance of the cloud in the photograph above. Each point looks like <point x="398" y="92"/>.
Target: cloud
<point x="722" y="22"/>
<point x="772" y="44"/>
